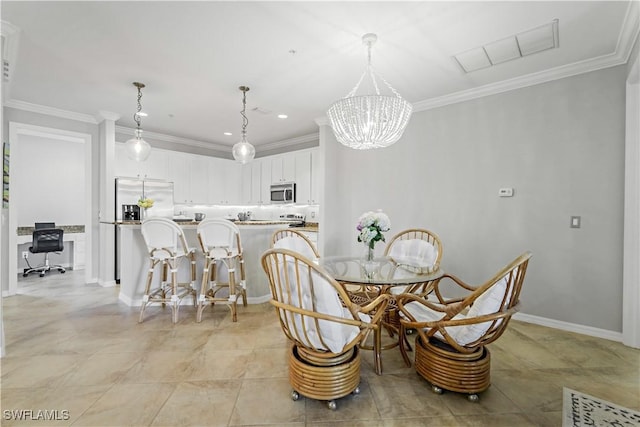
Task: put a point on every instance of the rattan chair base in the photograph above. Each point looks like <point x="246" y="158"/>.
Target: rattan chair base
<point x="328" y="381"/>
<point x="453" y="371"/>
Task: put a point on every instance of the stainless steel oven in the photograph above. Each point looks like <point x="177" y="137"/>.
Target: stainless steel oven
<point x="283" y="193"/>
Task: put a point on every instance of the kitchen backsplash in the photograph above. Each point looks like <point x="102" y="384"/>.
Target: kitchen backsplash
<point x="267" y="212"/>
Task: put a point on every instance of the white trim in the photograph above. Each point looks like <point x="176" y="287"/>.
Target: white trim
<point x="107" y="115"/>
<point x="259" y="300"/>
<point x="631" y="239"/>
<point x="569" y="327"/>
<point x="174" y="139"/>
<point x="105" y="284"/>
<point x="15" y="130"/>
<point x="50" y="111"/>
<point x="290" y="142"/>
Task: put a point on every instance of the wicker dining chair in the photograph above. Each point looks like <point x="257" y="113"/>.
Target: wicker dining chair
<point x="223" y="265"/>
<point x="417" y="250"/>
<point x="453" y="332"/>
<point x="288" y="238"/>
<point x="316" y="314"/>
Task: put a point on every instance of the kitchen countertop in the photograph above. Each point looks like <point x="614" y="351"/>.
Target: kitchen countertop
<point x="183" y="222"/>
<point x="27" y="231"/>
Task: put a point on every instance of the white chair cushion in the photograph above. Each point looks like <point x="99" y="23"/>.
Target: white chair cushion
<point x="487" y="303"/>
<point x="335" y="335"/>
<point x="296" y="244"/>
<point x="415" y="255"/>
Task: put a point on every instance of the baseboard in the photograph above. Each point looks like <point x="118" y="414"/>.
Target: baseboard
<point x="258" y="300"/>
<point x="569" y="327"/>
<point x="106" y="283"/>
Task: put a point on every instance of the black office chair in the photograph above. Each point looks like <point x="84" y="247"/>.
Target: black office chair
<point x="46" y="238"/>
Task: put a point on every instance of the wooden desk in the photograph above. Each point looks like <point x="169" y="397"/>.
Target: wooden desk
<point x="366" y="280"/>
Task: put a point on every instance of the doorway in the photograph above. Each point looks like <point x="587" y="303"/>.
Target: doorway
<point x="20" y="134"/>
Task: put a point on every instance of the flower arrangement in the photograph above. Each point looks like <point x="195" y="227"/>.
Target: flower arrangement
<point x="371" y="225"/>
<point x="145" y="202"/>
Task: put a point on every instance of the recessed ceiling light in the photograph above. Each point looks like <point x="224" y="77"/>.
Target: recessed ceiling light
<point x="282" y="116"/>
<point x="228" y="133"/>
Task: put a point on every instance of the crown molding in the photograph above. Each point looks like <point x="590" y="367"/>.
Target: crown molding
<point x="175" y="139"/>
<point x="50" y="111"/>
<point x="322" y="121"/>
<point x="290" y="142"/>
<point x="626" y="39"/>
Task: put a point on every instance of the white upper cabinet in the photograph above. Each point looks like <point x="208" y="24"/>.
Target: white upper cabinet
<point x="315" y="177"/>
<point x="256" y="182"/>
<point x="306" y="178"/>
<point x="265" y="185"/>
<point x="246" y="185"/>
<point x="199" y="179"/>
<point x="303" y="177"/>
<point x="224" y="182"/>
<point x="180" y="175"/>
<point x="155" y="167"/>
<point x="283" y="168"/>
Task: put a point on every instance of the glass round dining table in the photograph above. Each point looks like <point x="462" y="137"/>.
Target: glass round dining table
<point x="365" y="280"/>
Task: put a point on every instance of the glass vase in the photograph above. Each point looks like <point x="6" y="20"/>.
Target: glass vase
<point x="369" y="266"/>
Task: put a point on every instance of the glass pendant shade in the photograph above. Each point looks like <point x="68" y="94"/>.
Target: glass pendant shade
<point x="372" y="120"/>
<point x="137" y="148"/>
<point x="243" y="151"/>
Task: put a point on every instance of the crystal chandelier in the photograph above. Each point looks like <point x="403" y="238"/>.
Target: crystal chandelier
<point x="137" y="148"/>
<point x="369" y="121"/>
<point x="243" y="151"/>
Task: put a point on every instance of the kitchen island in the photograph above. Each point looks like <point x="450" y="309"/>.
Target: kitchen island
<point x="134" y="262"/>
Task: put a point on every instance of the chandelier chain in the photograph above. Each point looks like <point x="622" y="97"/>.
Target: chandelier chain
<point x="136" y="115"/>
<point x="245" y="120"/>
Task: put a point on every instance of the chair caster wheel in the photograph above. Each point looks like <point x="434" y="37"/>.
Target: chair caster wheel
<point x="63" y="271"/>
<point x="332" y="405"/>
<point x="436" y="389"/>
<point x="41" y="274"/>
<point x="25" y="275"/>
<point x="473" y="398"/>
<point x="295" y="395"/>
<point x="356" y="390"/>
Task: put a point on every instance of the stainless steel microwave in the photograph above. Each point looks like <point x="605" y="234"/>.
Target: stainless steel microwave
<point x="283" y="193"/>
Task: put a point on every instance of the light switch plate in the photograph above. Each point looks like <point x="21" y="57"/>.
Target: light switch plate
<point x="575" y="222"/>
<point x="505" y="192"/>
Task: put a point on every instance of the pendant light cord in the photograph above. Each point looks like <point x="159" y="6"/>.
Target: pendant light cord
<point x="245" y="120"/>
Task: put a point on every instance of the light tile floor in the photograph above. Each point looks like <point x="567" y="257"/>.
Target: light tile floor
<point x="74" y="347"/>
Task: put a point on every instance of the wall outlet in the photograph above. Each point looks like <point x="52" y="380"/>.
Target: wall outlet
<point x="313" y="214"/>
<point x="505" y="192"/>
<point x="25" y="254"/>
<point x="575" y="222"/>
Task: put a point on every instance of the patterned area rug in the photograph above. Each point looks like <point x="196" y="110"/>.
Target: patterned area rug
<point x="580" y="410"/>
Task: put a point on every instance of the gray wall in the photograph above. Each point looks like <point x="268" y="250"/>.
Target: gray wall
<point x="560" y="145"/>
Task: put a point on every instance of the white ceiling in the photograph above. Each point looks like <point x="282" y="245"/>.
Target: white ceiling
<point x="82" y="57"/>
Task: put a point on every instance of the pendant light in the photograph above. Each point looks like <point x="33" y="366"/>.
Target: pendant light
<point x="369" y="121"/>
<point x="243" y="151"/>
<point x="137" y="148"/>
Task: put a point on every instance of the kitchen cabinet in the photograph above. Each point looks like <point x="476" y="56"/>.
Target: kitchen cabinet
<point x="246" y="184"/>
<point x="265" y="185"/>
<point x="198" y="179"/>
<point x="283" y="168"/>
<point x="179" y="174"/>
<point x="155" y="167"/>
<point x="224" y="178"/>
<point x="260" y="182"/>
<point x="315" y="177"/>
<point x="306" y="178"/>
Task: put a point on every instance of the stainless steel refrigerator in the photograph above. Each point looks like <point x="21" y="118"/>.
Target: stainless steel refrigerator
<point x="129" y="191"/>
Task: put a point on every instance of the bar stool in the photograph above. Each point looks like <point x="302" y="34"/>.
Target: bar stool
<point x="220" y="243"/>
<point x="167" y="246"/>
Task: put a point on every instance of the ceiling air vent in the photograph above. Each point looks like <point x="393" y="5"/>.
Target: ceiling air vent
<point x="517" y="46"/>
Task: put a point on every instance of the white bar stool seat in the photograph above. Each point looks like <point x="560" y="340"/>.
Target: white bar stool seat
<point x="167" y="246"/>
<point x="220" y="243"/>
